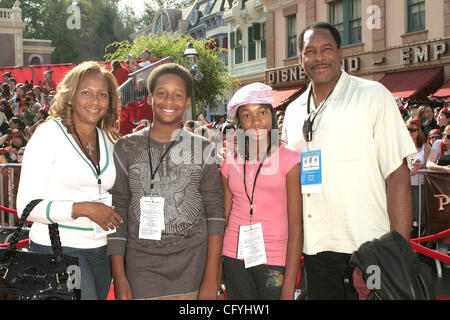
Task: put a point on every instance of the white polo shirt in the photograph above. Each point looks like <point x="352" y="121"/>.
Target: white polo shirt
<point x="363" y="139"/>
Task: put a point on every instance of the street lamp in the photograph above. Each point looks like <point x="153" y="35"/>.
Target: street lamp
<point x="191" y="61"/>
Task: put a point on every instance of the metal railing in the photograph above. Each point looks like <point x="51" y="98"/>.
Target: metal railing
<point x="422" y="184"/>
<point x="128" y="89"/>
<point x="8" y="184"/>
<point x="6" y="14"/>
<point x="8" y="187"/>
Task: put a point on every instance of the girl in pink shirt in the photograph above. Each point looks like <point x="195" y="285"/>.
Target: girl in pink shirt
<point x="263" y="238"/>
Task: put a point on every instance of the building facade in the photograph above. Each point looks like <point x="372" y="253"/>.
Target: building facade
<point x="404" y="44"/>
<point x="17" y="51"/>
<point x="248" y="44"/>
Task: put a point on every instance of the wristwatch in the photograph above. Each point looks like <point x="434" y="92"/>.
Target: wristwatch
<point x="221" y="290"/>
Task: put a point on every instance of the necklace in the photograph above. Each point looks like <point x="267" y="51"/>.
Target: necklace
<point x="90" y="148"/>
<point x="96" y="166"/>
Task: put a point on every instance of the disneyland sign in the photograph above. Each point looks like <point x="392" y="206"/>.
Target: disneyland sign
<point x="296" y="72"/>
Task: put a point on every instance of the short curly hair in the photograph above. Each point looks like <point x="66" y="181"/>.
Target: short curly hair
<point x="171" y="68"/>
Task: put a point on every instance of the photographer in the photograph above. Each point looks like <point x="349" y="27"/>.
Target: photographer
<point x="26" y="114"/>
<point x="5" y="132"/>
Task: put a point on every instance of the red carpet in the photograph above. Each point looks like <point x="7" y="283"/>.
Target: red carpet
<point x="111" y="293"/>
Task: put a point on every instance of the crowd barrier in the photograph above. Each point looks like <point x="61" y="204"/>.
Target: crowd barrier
<point x="128" y="88"/>
<point x="9" y="182"/>
<point x="437" y="202"/>
<point x="415" y="244"/>
<point x="35" y="73"/>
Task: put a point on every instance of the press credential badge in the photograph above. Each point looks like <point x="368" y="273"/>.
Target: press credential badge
<point x="106" y="199"/>
<point x="311" y="173"/>
<point x="251" y="242"/>
<point x="152" y="218"/>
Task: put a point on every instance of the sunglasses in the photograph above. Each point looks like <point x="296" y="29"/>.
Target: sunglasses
<point x="448" y="136"/>
<point x="412" y="130"/>
<point x="307" y="129"/>
<point x="435" y="137"/>
<point x="20" y="154"/>
<point x="308" y="123"/>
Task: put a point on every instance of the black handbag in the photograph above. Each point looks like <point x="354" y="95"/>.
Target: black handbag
<point x="38" y="276"/>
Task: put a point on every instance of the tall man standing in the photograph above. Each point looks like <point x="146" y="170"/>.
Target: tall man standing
<point x="355" y="150"/>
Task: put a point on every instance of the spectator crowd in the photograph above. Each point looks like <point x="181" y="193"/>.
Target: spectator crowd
<point x="23" y="107"/>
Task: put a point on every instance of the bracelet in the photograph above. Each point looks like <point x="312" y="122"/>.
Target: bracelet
<point x="221" y="290"/>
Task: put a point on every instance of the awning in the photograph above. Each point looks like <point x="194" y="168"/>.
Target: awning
<point x="443" y="94"/>
<point x="414" y="85"/>
<point x="285" y="95"/>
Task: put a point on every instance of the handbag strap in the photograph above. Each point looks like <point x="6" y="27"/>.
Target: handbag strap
<point x="15" y="237"/>
<point x="52" y="229"/>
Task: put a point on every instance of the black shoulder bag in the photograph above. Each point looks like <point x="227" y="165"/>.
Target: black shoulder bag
<point x="38" y="276"/>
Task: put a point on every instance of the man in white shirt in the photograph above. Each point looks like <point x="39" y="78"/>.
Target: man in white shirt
<point x="355" y="149"/>
<point x="145" y="57"/>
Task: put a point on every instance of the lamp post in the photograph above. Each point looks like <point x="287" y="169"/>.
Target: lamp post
<point x="191" y="62"/>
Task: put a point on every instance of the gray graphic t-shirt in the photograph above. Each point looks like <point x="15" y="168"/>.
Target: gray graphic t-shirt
<point x="189" y="181"/>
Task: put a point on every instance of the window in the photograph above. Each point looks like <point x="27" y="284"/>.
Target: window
<point x="291" y="36"/>
<point x="416" y="15"/>
<point x="337" y="17"/>
<point x="345" y="15"/>
<point x="256" y="34"/>
<point x="251" y="43"/>
<point x="238" y="51"/>
<point x="355" y="21"/>
<point x="263" y="40"/>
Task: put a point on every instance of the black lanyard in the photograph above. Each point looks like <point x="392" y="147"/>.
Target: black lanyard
<point x="254" y="182"/>
<point x="153" y="173"/>
<point x="320" y="109"/>
<point x="96" y="166"/>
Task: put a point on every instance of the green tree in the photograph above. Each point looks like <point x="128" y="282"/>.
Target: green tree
<point x="131" y="22"/>
<point x="151" y="8"/>
<point x="216" y="75"/>
<point x="101" y="24"/>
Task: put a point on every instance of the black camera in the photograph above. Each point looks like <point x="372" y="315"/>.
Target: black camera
<point x="5" y="129"/>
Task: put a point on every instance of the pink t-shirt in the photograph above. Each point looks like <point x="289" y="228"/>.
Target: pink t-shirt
<point x="269" y="204"/>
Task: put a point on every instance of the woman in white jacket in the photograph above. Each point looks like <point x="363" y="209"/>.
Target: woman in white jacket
<point x="68" y="163"/>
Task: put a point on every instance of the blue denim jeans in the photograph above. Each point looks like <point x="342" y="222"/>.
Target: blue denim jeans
<point x="95" y="269"/>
